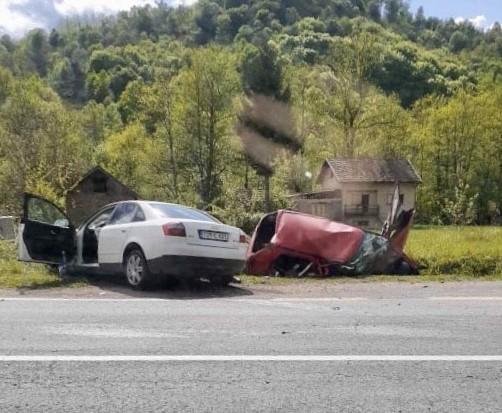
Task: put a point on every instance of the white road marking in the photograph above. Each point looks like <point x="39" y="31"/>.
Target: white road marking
<point x="250" y="358"/>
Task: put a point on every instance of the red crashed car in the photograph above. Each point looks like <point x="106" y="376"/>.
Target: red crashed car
<point x="292" y="243"/>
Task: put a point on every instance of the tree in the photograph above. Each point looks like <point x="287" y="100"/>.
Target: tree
<point x="62" y="78"/>
<point x="206" y="21"/>
<point x="375" y="10"/>
<point x="38" y="51"/>
<point x="6" y="84"/>
<point x="98" y="86"/>
<point x="158" y="115"/>
<point x="459" y="170"/>
<point x="205" y="91"/>
<point x="130" y="155"/>
<point x="41" y="147"/>
<point x="420" y="19"/>
<point x="262" y="73"/>
<point x="392" y="8"/>
<point x="7" y="42"/>
<point x="345" y="91"/>
<point x="54" y="38"/>
<point x="458" y="41"/>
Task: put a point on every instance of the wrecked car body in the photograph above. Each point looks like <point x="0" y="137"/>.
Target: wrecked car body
<point x="292" y="243"/>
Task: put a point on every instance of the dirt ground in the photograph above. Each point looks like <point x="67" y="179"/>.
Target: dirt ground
<point x="293" y="289"/>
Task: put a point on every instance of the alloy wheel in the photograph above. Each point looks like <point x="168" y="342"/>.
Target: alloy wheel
<point x="134" y="269"/>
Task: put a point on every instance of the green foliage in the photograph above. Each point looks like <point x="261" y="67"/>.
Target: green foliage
<point x="40" y="145"/>
<point x="458" y="41"/>
<point x="129" y="155"/>
<point x="6" y="84"/>
<point x="153" y="94"/>
<point x="206" y="91"/>
<point x="262" y="72"/>
<point x="37" y="50"/>
<point x="462" y="208"/>
<point x="456" y="152"/>
<point x="62" y="78"/>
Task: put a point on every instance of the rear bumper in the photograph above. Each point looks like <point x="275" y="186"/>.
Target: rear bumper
<point x="183" y="266"/>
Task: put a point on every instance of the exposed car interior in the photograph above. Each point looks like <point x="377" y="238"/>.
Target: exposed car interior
<point x="114" y="215"/>
<point x="91" y="234"/>
<point x="265" y="232"/>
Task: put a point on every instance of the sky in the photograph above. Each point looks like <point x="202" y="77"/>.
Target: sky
<point x="482" y="13"/>
<point x="19" y="16"/>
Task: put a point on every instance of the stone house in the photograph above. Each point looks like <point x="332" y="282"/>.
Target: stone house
<point x="359" y="191"/>
<point x="95" y="189"/>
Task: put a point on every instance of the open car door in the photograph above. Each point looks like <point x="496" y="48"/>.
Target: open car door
<point x="45" y="233"/>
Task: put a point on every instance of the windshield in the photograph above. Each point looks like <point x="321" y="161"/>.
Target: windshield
<point x="178" y="211"/>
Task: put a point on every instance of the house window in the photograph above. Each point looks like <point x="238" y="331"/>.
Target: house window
<point x="320" y="210"/>
<point x="99" y="184"/>
<point x="365" y="202"/>
<point x="390" y="197"/>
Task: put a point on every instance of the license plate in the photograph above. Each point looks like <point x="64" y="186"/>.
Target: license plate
<point x="213" y="235"/>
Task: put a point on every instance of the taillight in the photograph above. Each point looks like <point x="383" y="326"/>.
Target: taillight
<point x="174" y="230"/>
<point x="244" y="239"/>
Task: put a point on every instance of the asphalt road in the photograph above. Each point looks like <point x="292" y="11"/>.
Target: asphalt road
<point x="66" y="355"/>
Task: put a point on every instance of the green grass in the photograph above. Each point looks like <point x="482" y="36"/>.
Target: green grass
<point x="15" y="274"/>
<point x="460" y="251"/>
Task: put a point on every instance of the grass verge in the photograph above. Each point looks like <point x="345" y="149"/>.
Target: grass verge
<point x="461" y="251"/>
<point x="253" y="280"/>
<point x="15" y="274"/>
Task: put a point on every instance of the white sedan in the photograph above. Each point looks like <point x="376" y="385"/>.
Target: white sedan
<point x="140" y="239"/>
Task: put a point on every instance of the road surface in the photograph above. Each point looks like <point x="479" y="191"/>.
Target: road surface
<point x="360" y="348"/>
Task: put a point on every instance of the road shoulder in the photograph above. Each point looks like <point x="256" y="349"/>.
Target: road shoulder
<point x="298" y="289"/>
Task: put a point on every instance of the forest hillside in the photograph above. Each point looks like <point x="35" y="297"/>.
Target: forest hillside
<point x="177" y="103"/>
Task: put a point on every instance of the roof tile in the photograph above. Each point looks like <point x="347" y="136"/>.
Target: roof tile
<point x="373" y="170"/>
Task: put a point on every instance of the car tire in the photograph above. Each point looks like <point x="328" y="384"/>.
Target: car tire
<point x="136" y="269"/>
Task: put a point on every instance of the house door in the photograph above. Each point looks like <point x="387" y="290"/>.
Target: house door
<point x="365" y="202"/>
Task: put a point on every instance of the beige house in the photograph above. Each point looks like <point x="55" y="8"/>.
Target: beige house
<point x="359" y="191"/>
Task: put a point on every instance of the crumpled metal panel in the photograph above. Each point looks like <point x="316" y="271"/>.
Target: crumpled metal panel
<point x="316" y="236"/>
<point x="292" y="243"/>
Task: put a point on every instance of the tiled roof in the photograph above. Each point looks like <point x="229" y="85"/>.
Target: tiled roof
<point x="373" y="170"/>
<point x="102" y="171"/>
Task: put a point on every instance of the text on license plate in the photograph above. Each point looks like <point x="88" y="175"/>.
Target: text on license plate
<point x="213" y="235"/>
